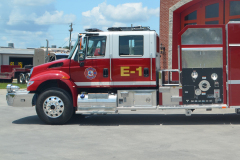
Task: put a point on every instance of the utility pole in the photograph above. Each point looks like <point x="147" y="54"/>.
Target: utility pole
<point x="70" y="39"/>
<point x="47" y="56"/>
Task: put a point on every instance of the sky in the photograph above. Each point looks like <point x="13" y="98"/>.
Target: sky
<point x="28" y="23"/>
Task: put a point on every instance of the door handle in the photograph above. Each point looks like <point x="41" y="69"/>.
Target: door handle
<point x="105" y="72"/>
<point x="81" y="64"/>
<point x="146" y="72"/>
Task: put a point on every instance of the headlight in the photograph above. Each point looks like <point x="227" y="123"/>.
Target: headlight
<point x="30" y="83"/>
<point x="214" y="76"/>
<point x="194" y="75"/>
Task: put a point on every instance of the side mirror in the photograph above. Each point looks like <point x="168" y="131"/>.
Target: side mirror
<point x="81" y="55"/>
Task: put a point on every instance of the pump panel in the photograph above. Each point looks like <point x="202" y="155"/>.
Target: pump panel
<point x="204" y="88"/>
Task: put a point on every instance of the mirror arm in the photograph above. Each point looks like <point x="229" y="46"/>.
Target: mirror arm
<point x="78" y="57"/>
<point x="79" y="47"/>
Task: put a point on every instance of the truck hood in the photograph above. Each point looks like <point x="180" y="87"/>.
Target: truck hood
<point x="61" y="64"/>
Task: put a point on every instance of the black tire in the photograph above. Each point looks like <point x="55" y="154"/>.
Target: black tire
<point x="21" y="78"/>
<point x="27" y="77"/>
<point x="54" y="114"/>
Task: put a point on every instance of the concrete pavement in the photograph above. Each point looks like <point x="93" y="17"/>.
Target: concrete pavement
<point x="128" y="135"/>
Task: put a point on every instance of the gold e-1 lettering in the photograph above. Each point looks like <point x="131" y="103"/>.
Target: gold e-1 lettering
<point x="125" y="71"/>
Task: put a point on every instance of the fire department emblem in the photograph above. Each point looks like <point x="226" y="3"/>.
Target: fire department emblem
<point x="90" y="73"/>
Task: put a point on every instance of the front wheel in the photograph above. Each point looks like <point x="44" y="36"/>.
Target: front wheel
<point x="54" y="106"/>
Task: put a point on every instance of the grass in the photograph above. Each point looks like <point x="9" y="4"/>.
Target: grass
<point x="4" y="85"/>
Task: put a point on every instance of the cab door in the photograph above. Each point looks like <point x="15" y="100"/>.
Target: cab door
<point x="133" y="62"/>
<point x="94" y="70"/>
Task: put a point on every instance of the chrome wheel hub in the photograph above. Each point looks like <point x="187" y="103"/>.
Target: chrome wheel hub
<point x="53" y="107"/>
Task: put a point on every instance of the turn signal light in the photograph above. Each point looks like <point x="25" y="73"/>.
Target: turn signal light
<point x="64" y="77"/>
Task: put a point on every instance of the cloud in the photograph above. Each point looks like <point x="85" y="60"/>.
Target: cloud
<point x="25" y="38"/>
<point x="128" y="12"/>
<point x="32" y="2"/>
<point x="4" y="38"/>
<point x="19" y="17"/>
<point x="105" y="15"/>
<point x="57" y="17"/>
<point x="30" y="21"/>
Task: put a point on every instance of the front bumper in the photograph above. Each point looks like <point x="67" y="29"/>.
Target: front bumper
<point x="19" y="98"/>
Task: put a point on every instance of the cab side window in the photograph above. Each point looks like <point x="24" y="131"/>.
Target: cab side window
<point x="96" y="46"/>
<point x="131" y="45"/>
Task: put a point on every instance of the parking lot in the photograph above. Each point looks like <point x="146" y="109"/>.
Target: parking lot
<point x="128" y="135"/>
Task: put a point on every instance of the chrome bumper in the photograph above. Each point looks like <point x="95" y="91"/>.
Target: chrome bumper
<point x="19" y="98"/>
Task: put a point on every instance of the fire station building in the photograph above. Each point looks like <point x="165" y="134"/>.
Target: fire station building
<point x="176" y="14"/>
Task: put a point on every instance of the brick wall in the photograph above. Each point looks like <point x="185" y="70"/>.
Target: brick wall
<point x="164" y="28"/>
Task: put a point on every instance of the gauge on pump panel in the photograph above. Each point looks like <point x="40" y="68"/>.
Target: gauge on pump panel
<point x="214" y="76"/>
<point x="204" y="85"/>
<point x="198" y="92"/>
<point x="194" y="75"/>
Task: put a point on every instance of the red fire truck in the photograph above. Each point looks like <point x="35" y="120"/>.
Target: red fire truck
<point x="119" y="70"/>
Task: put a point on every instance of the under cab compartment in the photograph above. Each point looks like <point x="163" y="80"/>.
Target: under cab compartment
<point x="137" y="98"/>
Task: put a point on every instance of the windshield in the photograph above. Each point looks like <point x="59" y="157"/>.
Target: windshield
<point x="74" y="47"/>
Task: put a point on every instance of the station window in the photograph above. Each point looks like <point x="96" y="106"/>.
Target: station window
<point x="234" y="8"/>
<point x="96" y="46"/>
<point x="238" y="19"/>
<point x="191" y="16"/>
<point x="212" y="11"/>
<point x="131" y="46"/>
<point x="202" y="36"/>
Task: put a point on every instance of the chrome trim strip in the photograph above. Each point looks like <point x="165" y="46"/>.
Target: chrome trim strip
<point x="137" y="108"/>
<point x="170" y="70"/>
<point x="179" y="61"/>
<point x="110" y="67"/>
<point x="227" y="73"/>
<point x="179" y="58"/>
<point x="96" y="112"/>
<point x="234" y="45"/>
<point x="234" y="106"/>
<point x="203" y="49"/>
<point x="151" y="66"/>
<point x="234" y="82"/>
<point x="151" y="83"/>
<point x="193" y="106"/>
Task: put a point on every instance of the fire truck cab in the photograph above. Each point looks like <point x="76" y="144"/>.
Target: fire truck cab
<point x="118" y="70"/>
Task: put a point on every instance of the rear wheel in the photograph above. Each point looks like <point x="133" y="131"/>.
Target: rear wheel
<point x="27" y="77"/>
<point x="21" y="78"/>
<point x="54" y="106"/>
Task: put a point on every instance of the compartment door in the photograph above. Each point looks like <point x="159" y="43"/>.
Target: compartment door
<point x="234" y="76"/>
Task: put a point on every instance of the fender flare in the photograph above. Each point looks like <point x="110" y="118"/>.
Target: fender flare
<point x="56" y="75"/>
<point x="73" y="90"/>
